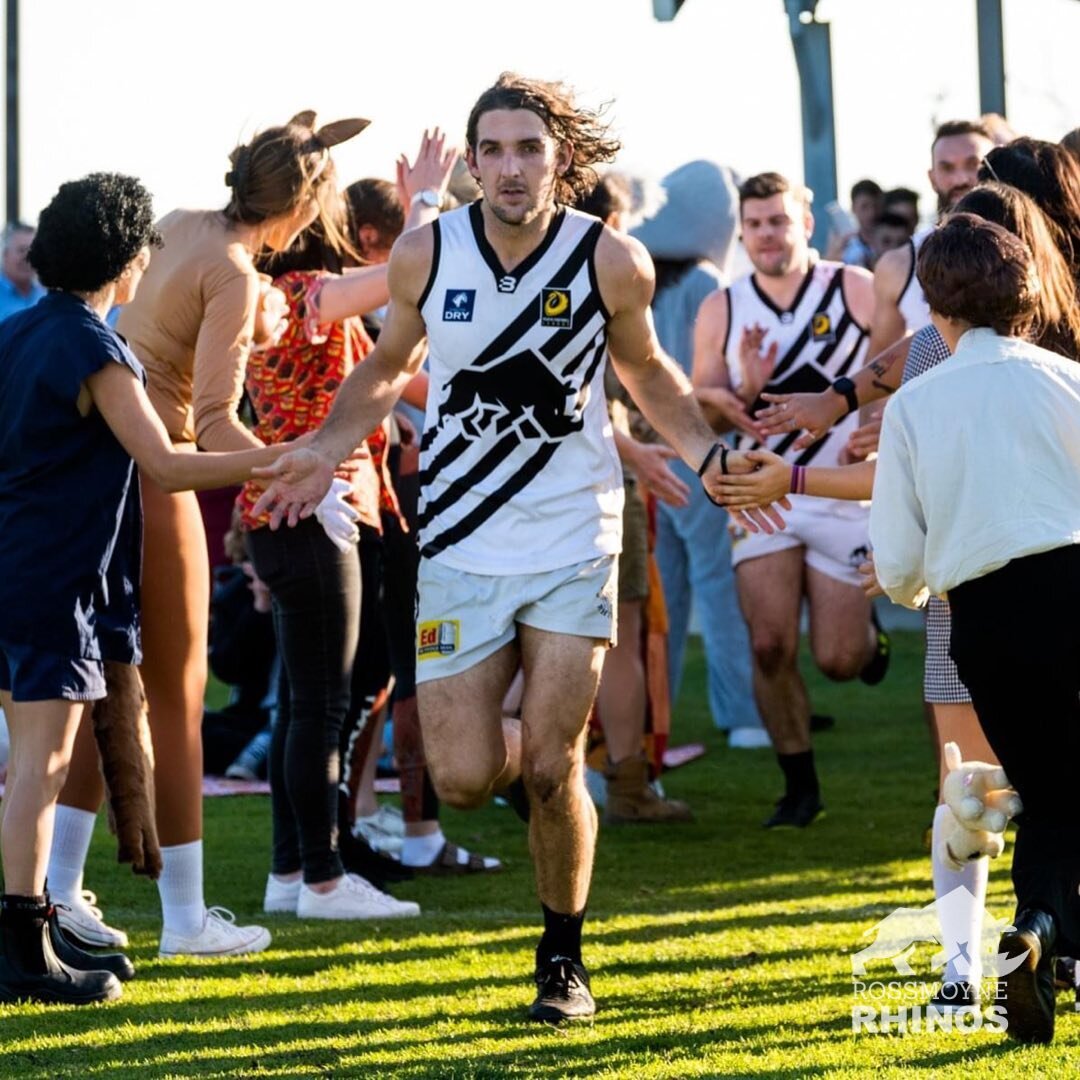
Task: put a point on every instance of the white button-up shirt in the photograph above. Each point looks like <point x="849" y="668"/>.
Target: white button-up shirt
<point x="979" y="464"/>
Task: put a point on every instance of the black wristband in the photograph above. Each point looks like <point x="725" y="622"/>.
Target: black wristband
<point x="710" y="455"/>
<point x="846" y="389"/>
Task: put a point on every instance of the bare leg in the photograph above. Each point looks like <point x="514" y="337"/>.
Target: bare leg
<point x="176" y="606"/>
<point x="770" y="593"/>
<point x="621" y="696"/>
<point x="840" y="634"/>
<point x="84" y="788"/>
<point x="959" y="724"/>
<point x="366" y="803"/>
<point x="461" y="720"/>
<point x="42" y="737"/>
<point x="562" y="672"/>
<point x="961" y="919"/>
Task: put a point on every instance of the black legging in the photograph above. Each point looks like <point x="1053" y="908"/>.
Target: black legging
<point x="316" y="594"/>
<point x="1016" y="644"/>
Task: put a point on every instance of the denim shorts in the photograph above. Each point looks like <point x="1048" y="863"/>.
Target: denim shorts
<point x="32" y="674"/>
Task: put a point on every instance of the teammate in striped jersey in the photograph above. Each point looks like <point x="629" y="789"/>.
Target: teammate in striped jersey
<point x="794" y="324"/>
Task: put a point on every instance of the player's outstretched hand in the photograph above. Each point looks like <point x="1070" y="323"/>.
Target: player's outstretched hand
<point x="863" y="441"/>
<point x="651" y="466"/>
<point x="870" y="584"/>
<point x="755" y="479"/>
<point x="298" y="482"/>
<point x="814" y="414"/>
<point x="720" y="403"/>
<point x="767" y="519"/>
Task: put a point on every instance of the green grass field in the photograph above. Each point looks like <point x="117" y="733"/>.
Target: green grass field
<point x="717" y="949"/>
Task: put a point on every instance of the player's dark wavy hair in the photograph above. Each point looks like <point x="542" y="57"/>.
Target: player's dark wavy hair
<point x="91" y="230"/>
<point x="584" y="129"/>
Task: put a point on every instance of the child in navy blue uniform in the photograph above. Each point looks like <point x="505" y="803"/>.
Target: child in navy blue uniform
<point x="74" y="422"/>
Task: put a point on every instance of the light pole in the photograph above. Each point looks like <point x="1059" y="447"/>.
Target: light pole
<point x="12" y="38"/>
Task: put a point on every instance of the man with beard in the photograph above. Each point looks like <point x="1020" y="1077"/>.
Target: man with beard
<point x="955" y="156"/>
<point x="794" y="325"/>
<point x="519" y="299"/>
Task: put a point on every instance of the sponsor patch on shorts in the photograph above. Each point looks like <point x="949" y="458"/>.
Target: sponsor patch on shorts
<point x="439" y="637"/>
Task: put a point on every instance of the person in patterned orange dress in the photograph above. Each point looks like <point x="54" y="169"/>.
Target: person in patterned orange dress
<point x="315" y="581"/>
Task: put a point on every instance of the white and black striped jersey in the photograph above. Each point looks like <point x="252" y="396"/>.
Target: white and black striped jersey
<point x="819" y="340"/>
<point x="518" y="468"/>
<point x="912" y="304"/>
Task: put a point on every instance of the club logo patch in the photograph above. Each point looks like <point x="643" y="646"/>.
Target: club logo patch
<point x="458" y="305"/>
<point x="555" y="308"/>
<point x="439" y="637"/>
<point x="821" y="328"/>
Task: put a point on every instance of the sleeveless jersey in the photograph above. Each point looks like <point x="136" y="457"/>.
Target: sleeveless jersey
<point x="819" y="340"/>
<point x="912" y="304"/>
<point x="518" y="468"/>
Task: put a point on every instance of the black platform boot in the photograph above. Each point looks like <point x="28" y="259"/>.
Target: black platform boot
<point x="67" y="952"/>
<point x="29" y="967"/>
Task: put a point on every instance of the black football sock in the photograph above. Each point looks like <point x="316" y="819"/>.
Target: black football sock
<point x="799" y="773"/>
<point x="562" y="936"/>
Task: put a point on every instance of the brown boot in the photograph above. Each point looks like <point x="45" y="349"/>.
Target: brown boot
<point x="630" y="798"/>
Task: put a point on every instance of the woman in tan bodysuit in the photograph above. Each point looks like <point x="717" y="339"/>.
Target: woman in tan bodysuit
<point x="197" y="315"/>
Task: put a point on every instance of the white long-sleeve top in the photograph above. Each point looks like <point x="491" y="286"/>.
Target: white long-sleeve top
<point x="978" y="464"/>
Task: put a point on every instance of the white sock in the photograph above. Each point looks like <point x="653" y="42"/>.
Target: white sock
<point x="424" y="850"/>
<point x="960" y="915"/>
<point x="181" y="887"/>
<point x="67" y="857"/>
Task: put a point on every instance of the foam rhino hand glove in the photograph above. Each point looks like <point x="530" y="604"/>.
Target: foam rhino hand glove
<point x="123" y="739"/>
<point x="978" y="794"/>
<point x="337" y="517"/>
<point x="959" y="844"/>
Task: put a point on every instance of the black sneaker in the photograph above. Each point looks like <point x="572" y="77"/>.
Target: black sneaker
<point x="79" y="959"/>
<point x="955" y="997"/>
<point x="876" y="669"/>
<point x="1027" y="991"/>
<point x="821" y="722"/>
<point x="795" y="812"/>
<point x="562" y="991"/>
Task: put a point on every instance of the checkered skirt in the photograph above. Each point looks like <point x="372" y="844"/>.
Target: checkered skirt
<point x="941" y="681"/>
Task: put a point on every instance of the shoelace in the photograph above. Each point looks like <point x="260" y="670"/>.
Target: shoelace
<point x="559" y="977"/>
<point x="362" y="885"/>
<point x="221" y="914"/>
<point x="90" y="900"/>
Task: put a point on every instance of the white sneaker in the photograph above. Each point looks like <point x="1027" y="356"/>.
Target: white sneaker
<point x="219" y="936"/>
<point x="281" y="896"/>
<point x="384" y="830"/>
<point x="81" y="918"/>
<point x="749" y="738"/>
<point x="353" y="898"/>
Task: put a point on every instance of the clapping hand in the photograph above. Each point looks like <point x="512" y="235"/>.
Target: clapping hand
<point x="432" y="168"/>
<point x="757" y="366"/>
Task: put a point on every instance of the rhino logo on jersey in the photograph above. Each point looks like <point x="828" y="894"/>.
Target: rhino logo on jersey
<point x="520" y="394"/>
